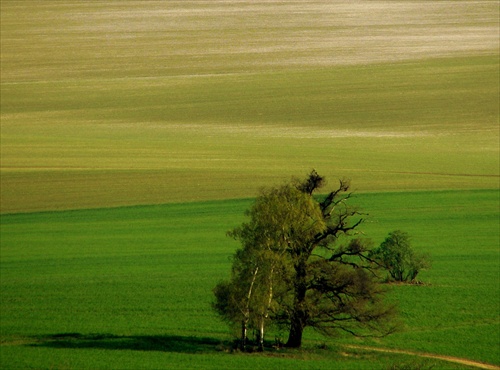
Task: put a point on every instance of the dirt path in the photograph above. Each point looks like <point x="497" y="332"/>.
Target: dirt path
<point x="457" y="360"/>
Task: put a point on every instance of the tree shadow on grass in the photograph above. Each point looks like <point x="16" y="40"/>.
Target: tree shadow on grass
<point x="164" y="343"/>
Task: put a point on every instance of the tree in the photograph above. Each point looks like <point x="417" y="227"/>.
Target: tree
<point x="397" y="256"/>
<point x="316" y="273"/>
<point x="261" y="272"/>
<point x="335" y="284"/>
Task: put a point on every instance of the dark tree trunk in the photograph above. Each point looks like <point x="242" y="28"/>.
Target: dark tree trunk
<point x="299" y="315"/>
<point x="295" y="336"/>
<point x="243" y="339"/>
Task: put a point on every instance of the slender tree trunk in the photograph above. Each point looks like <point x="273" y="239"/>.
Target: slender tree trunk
<point x="265" y="315"/>
<point x="260" y="336"/>
<point x="299" y="315"/>
<point x="243" y="341"/>
<point x="244" y="322"/>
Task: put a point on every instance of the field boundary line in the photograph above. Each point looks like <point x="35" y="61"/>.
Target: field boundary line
<point x="462" y="361"/>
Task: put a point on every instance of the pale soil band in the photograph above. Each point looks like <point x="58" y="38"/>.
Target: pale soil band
<point x="457" y="360"/>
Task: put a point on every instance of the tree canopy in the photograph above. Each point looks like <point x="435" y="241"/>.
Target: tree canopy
<point x="302" y="263"/>
<point x="398" y="257"/>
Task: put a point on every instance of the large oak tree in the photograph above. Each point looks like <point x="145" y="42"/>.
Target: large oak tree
<point x="301" y="264"/>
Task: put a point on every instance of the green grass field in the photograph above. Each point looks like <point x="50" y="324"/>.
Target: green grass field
<point x="134" y="134"/>
<point x="96" y="112"/>
<point x="100" y="287"/>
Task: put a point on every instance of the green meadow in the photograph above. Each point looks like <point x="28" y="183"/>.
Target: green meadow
<point x="135" y="134"/>
<point x="127" y="287"/>
<point x="107" y="104"/>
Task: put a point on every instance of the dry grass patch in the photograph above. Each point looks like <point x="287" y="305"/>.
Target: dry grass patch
<point x="54" y="39"/>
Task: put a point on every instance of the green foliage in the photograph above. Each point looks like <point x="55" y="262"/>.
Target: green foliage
<point x="282" y="219"/>
<point x="291" y="272"/>
<point x="399" y="259"/>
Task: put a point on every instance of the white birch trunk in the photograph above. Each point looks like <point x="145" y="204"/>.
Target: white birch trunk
<point x="246" y="313"/>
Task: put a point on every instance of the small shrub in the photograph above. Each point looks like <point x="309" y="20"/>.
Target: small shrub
<point x="396" y="255"/>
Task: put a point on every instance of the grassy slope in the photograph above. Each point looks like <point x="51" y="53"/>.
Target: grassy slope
<point x="140" y="278"/>
<point x="209" y="101"/>
<point x="107" y="104"/>
<point x="406" y="126"/>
